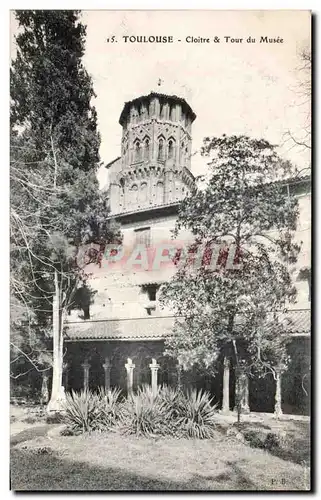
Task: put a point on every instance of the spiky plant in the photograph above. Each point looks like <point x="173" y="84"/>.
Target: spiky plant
<point x="110" y="406"/>
<point x="199" y="415"/>
<point x="144" y="414"/>
<point x="82" y="410"/>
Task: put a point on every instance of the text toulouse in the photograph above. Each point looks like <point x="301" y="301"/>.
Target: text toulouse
<point x="199" y="39"/>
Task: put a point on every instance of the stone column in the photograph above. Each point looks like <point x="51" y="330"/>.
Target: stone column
<point x="44" y="398"/>
<point x="278" y="395"/>
<point x="86" y="367"/>
<point x="130" y="375"/>
<point x="242" y="391"/>
<point x="154" y="369"/>
<point x="107" y="367"/>
<point x="65" y="368"/>
<point x="226" y="386"/>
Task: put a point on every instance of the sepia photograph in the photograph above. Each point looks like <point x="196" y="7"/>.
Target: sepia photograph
<point x="160" y="250"/>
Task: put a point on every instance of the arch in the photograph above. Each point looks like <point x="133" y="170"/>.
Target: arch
<point x="143" y="192"/>
<point x="171" y="148"/>
<point x="137" y="150"/>
<point x="159" y="193"/>
<point x="146" y="148"/>
<point x="161" y="148"/>
<point x="122" y="185"/>
<point x="134" y="194"/>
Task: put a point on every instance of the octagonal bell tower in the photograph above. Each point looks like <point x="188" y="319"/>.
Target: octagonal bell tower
<point x="154" y="167"/>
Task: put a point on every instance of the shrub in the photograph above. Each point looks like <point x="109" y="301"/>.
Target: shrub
<point x="255" y="437"/>
<point x="173" y="398"/>
<point x="169" y="412"/>
<point x="144" y="414"/>
<point x="199" y="416"/>
<point x="272" y="440"/>
<point x="82" y="410"/>
<point x="110" y="407"/>
<point x="88" y="411"/>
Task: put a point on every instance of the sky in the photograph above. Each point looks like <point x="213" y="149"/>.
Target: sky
<point x="234" y="88"/>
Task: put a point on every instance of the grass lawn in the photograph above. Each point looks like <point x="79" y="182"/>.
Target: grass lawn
<point x="112" y="462"/>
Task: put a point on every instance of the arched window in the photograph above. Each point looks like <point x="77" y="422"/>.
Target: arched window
<point x="122" y="186"/>
<point x="134" y="194"/>
<point x="186" y="155"/>
<point x="143" y="192"/>
<point x="170" y="148"/>
<point x="137" y="151"/>
<point x="159" y="193"/>
<point x="161" y="149"/>
<point x="146" y="149"/>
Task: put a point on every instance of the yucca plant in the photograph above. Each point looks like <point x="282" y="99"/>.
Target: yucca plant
<point x="82" y="410"/>
<point x="199" y="415"/>
<point x="173" y="398"/>
<point x="110" y="406"/>
<point x="174" y="403"/>
<point x="144" y="413"/>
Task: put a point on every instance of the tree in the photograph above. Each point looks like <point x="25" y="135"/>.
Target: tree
<point x="302" y="138"/>
<point x="233" y="314"/>
<point x="56" y="206"/>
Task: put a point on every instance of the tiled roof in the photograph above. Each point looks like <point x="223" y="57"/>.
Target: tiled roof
<point x="155" y="327"/>
<point x="149" y="328"/>
<point x="298" y="321"/>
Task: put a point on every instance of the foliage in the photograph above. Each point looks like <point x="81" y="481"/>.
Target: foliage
<point x="82" y="410"/>
<point x="144" y="414"/>
<point x="110" y="407"/>
<point x="169" y="412"/>
<point x="174" y="401"/>
<point x="199" y="416"/>
<point x="235" y="312"/>
<point x="56" y="205"/>
<point x="88" y="411"/>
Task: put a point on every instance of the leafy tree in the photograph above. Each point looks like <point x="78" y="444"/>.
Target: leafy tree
<point x="56" y="206"/>
<point x="234" y="313"/>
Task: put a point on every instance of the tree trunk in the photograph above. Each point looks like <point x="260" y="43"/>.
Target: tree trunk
<point x="241" y="393"/>
<point x="44" y="389"/>
<point x="226" y="386"/>
<point x="278" y="396"/>
<point x="179" y="377"/>
<point x="57" y="390"/>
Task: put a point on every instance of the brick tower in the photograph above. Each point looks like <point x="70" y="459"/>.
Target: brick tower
<point x="154" y="167"/>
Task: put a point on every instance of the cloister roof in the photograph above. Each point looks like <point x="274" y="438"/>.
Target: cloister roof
<point x="297" y="321"/>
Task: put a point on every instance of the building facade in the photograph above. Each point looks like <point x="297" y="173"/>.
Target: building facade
<point x="118" y="338"/>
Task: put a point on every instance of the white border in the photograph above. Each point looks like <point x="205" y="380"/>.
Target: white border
<point x="4" y="192"/>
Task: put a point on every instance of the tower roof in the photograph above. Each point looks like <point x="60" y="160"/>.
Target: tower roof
<point x="173" y="98"/>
